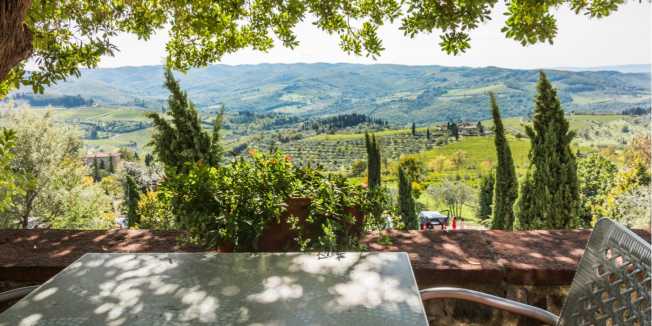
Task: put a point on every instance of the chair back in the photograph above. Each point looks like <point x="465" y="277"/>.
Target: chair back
<point x="612" y="281"/>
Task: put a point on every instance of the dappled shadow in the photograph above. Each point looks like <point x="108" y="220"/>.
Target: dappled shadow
<point x="439" y="257"/>
<point x="62" y="247"/>
<point x="226" y="289"/>
<point x="543" y="257"/>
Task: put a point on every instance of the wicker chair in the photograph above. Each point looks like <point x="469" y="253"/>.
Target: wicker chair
<point x="611" y="285"/>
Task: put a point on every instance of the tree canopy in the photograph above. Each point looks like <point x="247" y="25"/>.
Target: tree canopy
<point x="7" y="182"/>
<point x="61" y="36"/>
<point x="48" y="175"/>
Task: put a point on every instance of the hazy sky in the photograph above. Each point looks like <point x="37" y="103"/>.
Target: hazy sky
<point x="625" y="37"/>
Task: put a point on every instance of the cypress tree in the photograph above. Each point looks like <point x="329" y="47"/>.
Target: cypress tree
<point x="428" y="133"/>
<point x="96" y="170"/>
<point x="486" y="196"/>
<point x="414" y="129"/>
<point x="550" y="194"/>
<point x="111" y="168"/>
<point x="149" y="158"/>
<point x="506" y="184"/>
<point x="406" y="208"/>
<point x="453" y="130"/>
<point x="181" y="138"/>
<point x="480" y="128"/>
<point x="132" y="196"/>
<point x="373" y="161"/>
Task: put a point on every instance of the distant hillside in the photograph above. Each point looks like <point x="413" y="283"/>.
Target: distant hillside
<point x="628" y="69"/>
<point x="399" y="94"/>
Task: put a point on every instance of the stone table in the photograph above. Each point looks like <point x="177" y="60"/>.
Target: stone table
<point x="226" y="289"/>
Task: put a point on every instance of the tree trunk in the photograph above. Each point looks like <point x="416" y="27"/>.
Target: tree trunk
<point x="15" y="37"/>
<point x="27" y="211"/>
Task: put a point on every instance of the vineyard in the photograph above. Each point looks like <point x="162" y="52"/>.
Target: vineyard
<point x="339" y="153"/>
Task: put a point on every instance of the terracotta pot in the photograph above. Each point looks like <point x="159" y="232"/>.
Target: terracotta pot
<point x="225" y="247"/>
<point x="277" y="235"/>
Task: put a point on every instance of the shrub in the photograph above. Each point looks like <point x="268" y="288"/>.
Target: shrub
<point x="232" y="204"/>
<point x="155" y="211"/>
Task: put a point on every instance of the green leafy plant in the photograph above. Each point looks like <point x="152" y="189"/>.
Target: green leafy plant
<point x="230" y="206"/>
<point x="154" y="211"/>
<point x="7" y="177"/>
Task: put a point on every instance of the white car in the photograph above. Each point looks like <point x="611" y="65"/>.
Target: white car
<point x="122" y="222"/>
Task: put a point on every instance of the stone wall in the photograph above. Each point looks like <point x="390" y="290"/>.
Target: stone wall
<point x="535" y="267"/>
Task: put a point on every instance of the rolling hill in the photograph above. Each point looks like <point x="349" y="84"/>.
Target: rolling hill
<point x="400" y="94"/>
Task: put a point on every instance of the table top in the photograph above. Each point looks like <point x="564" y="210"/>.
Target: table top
<point x="226" y="289"/>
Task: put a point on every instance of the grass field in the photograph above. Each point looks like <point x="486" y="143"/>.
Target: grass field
<point x="496" y="88"/>
<point x="476" y="157"/>
<point x="592" y="131"/>
<point x="136" y="140"/>
<point x="97" y="114"/>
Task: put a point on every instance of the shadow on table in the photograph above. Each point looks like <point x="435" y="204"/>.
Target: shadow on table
<point x="226" y="289"/>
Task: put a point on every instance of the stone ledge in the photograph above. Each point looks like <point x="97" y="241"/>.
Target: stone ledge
<point x="542" y="257"/>
<point x="438" y="258"/>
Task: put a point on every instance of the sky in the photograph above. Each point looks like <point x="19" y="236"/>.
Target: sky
<point x="624" y="37"/>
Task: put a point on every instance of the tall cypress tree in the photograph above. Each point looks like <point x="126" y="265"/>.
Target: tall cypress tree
<point x="406" y="205"/>
<point x="550" y="194"/>
<point x="149" y="159"/>
<point x="373" y="161"/>
<point x="181" y="138"/>
<point x="506" y="184"/>
<point x="480" y="128"/>
<point x="111" y="167"/>
<point x="96" y="170"/>
<point x="132" y="196"/>
<point x="414" y="129"/>
<point x="485" y="197"/>
<point x="454" y="130"/>
<point x="428" y="133"/>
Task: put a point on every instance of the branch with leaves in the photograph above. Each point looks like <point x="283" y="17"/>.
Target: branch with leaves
<point x="61" y="36"/>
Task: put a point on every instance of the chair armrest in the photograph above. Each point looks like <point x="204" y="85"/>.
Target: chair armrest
<point x="490" y="300"/>
<point x="17" y="293"/>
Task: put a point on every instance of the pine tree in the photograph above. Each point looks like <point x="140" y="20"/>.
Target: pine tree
<point x="506" y="184"/>
<point x="96" y="170"/>
<point x="373" y="161"/>
<point x="132" y="196"/>
<point x="414" y="129"/>
<point x="428" y="134"/>
<point x="550" y="193"/>
<point x="486" y="196"/>
<point x="406" y="202"/>
<point x="181" y="138"/>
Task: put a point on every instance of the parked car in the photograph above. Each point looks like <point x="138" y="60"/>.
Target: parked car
<point x="122" y="222"/>
<point x="430" y="219"/>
